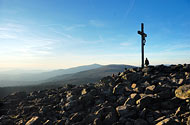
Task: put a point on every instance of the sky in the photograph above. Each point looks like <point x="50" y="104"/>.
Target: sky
<point x="53" y="34"/>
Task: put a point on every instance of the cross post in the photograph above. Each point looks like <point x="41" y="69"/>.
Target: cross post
<point x="143" y="35"/>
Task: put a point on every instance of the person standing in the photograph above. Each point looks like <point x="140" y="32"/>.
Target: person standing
<point x="146" y="62"/>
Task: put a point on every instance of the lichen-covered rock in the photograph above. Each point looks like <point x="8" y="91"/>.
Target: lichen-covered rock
<point x="183" y="92"/>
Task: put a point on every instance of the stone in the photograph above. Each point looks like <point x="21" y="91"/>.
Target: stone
<point x="142" y="113"/>
<point x="93" y="92"/>
<point x="97" y="121"/>
<point x="134" y="77"/>
<point x="61" y="122"/>
<point x="140" y="122"/>
<point x="6" y="121"/>
<point x="166" y="94"/>
<point x="183" y="92"/>
<point x="168" y="105"/>
<point x="178" y="111"/>
<point x="34" y="121"/>
<point x="145" y="101"/>
<point x="121" y="100"/>
<point x="125" y="111"/>
<point x="118" y="89"/>
<point x="132" y="99"/>
<point x="181" y="81"/>
<point x="76" y="117"/>
<point x="86" y="100"/>
<point x="89" y="118"/>
<point x="20" y="95"/>
<point x="147" y="69"/>
<point x="139" y="89"/>
<point x="145" y="84"/>
<point x="83" y="92"/>
<point x="150" y="89"/>
<point x="110" y="118"/>
<point x="169" y="121"/>
<point x="70" y="105"/>
<point x="29" y="109"/>
<point x="121" y="110"/>
<point x="71" y="98"/>
<point x="188" y="121"/>
<point x="155" y="95"/>
<point x="133" y="85"/>
<point x="107" y="80"/>
<point x="48" y="122"/>
<point x="102" y="112"/>
<point x="129" y="123"/>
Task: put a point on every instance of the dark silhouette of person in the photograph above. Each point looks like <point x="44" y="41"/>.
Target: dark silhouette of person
<point x="146" y="62"/>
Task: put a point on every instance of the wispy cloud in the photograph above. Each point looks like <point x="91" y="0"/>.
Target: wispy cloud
<point x="125" y="44"/>
<point x="11" y="31"/>
<point x="129" y="42"/>
<point x="7" y="36"/>
<point x="129" y="8"/>
<point x="61" y="33"/>
<point x="12" y="27"/>
<point x="65" y="27"/>
<point x="30" y="48"/>
<point x="73" y="27"/>
<point x="96" y="23"/>
<point x="22" y="41"/>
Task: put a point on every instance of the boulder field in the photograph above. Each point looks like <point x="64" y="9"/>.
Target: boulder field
<point x="152" y="95"/>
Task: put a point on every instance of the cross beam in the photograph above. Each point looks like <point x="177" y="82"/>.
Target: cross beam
<point x="143" y="35"/>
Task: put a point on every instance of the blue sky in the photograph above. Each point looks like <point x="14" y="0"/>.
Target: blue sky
<point x="51" y="34"/>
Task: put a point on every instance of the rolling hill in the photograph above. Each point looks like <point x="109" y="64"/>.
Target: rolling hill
<point x="18" y="79"/>
<point x="83" y="77"/>
<point x="88" y="76"/>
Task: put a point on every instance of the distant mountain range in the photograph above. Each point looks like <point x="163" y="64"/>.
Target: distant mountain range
<point x="88" y="76"/>
<point x="78" y="75"/>
<point x="18" y="78"/>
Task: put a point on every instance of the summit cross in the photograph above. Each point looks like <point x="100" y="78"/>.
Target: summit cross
<point x="143" y="41"/>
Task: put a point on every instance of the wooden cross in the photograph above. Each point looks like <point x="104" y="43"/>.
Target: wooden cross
<point x="143" y="35"/>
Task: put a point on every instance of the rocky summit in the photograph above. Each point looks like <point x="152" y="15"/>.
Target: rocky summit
<point x="152" y="95"/>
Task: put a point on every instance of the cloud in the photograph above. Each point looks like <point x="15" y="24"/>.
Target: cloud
<point x="50" y="25"/>
<point x="65" y="27"/>
<point x="10" y="27"/>
<point x="125" y="44"/>
<point x="73" y="27"/>
<point x="96" y="23"/>
<point x="61" y="33"/>
<point x="11" y="31"/>
<point x="129" y="8"/>
<point x="22" y="41"/>
<point x="7" y="36"/>
<point x="35" y="48"/>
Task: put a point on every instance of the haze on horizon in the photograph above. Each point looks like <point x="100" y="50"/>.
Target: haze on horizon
<point x="46" y="34"/>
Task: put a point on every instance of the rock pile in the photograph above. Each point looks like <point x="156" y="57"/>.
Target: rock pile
<point x="152" y="95"/>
